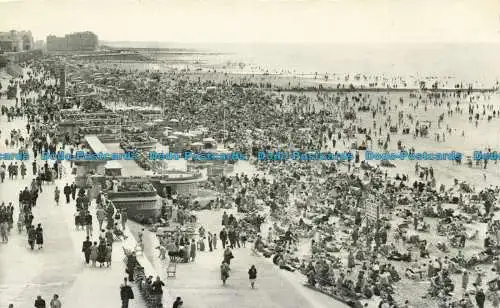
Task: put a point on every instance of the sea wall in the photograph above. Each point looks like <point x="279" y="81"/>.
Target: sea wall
<point x="23" y="56"/>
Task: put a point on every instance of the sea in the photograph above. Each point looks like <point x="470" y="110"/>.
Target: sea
<point x="467" y="62"/>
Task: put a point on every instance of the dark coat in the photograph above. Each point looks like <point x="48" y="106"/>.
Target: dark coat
<point x="101" y="252"/>
<point x="39" y="235"/>
<point x="252" y="273"/>
<point x="40" y="303"/>
<point x="223" y="235"/>
<point x="67" y="190"/>
<point x="126" y="292"/>
<point x="86" y="247"/>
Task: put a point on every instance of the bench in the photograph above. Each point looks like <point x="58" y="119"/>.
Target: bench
<point x="171" y="270"/>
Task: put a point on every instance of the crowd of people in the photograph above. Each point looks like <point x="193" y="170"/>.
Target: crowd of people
<point x="370" y="257"/>
<point x="35" y="104"/>
<point x="357" y="252"/>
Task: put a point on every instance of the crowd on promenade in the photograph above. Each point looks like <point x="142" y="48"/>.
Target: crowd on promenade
<point x="37" y="104"/>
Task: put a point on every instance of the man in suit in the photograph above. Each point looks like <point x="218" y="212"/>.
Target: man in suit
<point x="86" y="249"/>
<point x="40" y="302"/>
<point x="73" y="191"/>
<point x="126" y="293"/>
<point x="67" y="192"/>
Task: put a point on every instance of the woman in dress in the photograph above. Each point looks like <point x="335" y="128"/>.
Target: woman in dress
<point x="31" y="236"/>
<point x="109" y="252"/>
<point x="252" y="275"/>
<point x="101" y="253"/>
<point x="39" y="236"/>
<point x="224" y="272"/>
<point x="94" y="252"/>
<point x="228" y="255"/>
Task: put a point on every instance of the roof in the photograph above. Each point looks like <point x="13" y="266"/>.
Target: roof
<point x="112" y="164"/>
<point x="95" y="144"/>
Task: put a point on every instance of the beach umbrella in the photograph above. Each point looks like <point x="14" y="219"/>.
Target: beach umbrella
<point x="172" y="137"/>
<point x="208" y="140"/>
<point x="174" y="121"/>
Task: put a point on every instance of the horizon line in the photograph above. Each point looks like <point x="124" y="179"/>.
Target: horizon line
<point x="298" y="43"/>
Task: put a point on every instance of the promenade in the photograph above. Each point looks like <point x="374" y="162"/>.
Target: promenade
<point x="59" y="267"/>
<point x="199" y="284"/>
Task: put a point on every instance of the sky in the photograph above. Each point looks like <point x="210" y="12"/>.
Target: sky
<point x="263" y="21"/>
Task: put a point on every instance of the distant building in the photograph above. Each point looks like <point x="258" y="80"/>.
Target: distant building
<point x="15" y="41"/>
<point x="55" y="43"/>
<point x="79" y="41"/>
<point x="40" y="44"/>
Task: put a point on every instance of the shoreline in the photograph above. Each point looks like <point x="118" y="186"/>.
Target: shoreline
<point x="280" y="82"/>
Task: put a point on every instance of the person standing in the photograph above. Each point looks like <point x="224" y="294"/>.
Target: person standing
<point x="214" y="240"/>
<point x="223" y="237"/>
<point x="228" y="255"/>
<point x="55" y="302"/>
<point x="126" y="293"/>
<point x="210" y="245"/>
<point x="109" y="253"/>
<point x="101" y="215"/>
<point x="94" y="253"/>
<point x="31" y="236"/>
<point x="157" y="288"/>
<point x="57" y="193"/>
<point x="124" y="218"/>
<point x="480" y="298"/>
<point x="192" y="251"/>
<point x="252" y="275"/>
<point x="39" y="236"/>
<point x="131" y="264"/>
<point x="67" y="192"/>
<point x="178" y="303"/>
<point x="88" y="223"/>
<point x="465" y="281"/>
<point x="243" y="237"/>
<point x="87" y="244"/>
<point x="224" y="272"/>
<point x="73" y="191"/>
<point x="40" y="302"/>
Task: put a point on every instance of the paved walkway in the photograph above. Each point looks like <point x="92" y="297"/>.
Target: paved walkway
<point x="199" y="283"/>
<point x="58" y="267"/>
<point x="24" y="273"/>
